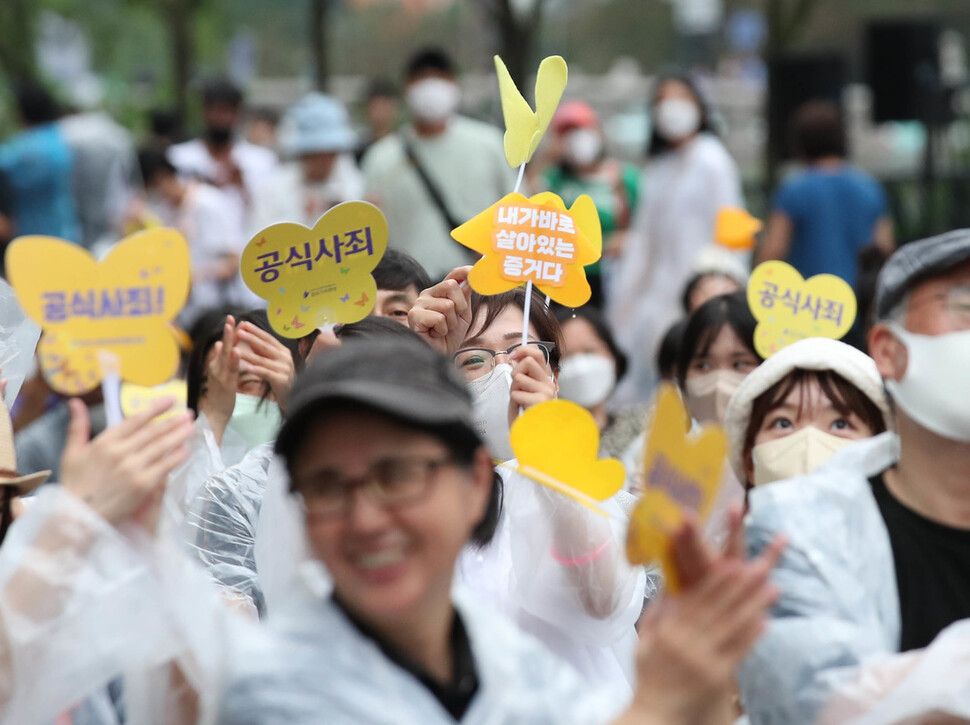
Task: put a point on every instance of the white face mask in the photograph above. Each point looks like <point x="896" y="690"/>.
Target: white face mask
<point x="935" y="390"/>
<point x="492" y="395"/>
<point x="676" y="118"/>
<point x="708" y="394"/>
<point x="582" y="146"/>
<point x="433" y="99"/>
<point x="587" y="379"/>
<point x="255" y="420"/>
<point x="794" y="455"/>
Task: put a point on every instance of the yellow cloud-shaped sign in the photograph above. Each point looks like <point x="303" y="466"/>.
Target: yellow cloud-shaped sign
<point x="681" y="472"/>
<point x="310" y="277"/>
<point x="557" y="444"/>
<point x="535" y="240"/>
<point x="736" y="229"/>
<point x="789" y="307"/>
<point x="122" y="304"/>
<point x="524" y="128"/>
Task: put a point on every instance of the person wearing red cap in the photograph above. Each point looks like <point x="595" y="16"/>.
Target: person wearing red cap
<point x="582" y="167"/>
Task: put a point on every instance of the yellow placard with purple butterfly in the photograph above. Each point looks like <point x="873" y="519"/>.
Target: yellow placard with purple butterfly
<point x="122" y="304"/>
<point x="789" y="307"/>
<point x="311" y="277"/>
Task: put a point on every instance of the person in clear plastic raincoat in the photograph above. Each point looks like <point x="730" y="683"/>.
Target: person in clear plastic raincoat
<point x="382" y="449"/>
<point x="93" y="607"/>
<point x="872" y="623"/>
<point x="238" y="377"/>
<point x="557" y="569"/>
<point x="241" y="523"/>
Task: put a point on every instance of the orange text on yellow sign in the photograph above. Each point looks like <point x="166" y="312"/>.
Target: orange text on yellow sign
<point x="681" y="472"/>
<point x="122" y="304"/>
<point x="311" y="277"/>
<point x="534" y="240"/>
<point x="557" y="444"/>
<point x="789" y="308"/>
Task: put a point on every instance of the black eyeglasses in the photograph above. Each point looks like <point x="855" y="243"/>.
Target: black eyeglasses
<point x="391" y="483"/>
<point x="477" y="362"/>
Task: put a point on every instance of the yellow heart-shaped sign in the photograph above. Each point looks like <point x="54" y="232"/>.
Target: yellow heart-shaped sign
<point x="789" y="308"/>
<point x="681" y="472"/>
<point x="535" y="240"/>
<point x="524" y="128"/>
<point x="735" y="229"/>
<point x="122" y="304"/>
<point x="557" y="443"/>
<point x="311" y="277"/>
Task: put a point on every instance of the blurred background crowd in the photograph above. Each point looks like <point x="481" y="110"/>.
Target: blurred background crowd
<point x="846" y="127"/>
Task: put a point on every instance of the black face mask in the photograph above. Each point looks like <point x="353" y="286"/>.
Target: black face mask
<point x="218" y="136"/>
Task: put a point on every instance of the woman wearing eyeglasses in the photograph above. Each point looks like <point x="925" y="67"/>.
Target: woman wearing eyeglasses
<point x="555" y="567"/>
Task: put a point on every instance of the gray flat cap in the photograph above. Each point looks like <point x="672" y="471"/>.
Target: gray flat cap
<point x="914" y="262"/>
<point x="404" y="379"/>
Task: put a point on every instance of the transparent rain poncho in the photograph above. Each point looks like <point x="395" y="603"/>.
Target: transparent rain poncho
<point x="834" y="634"/>
<point x="90" y="614"/>
<point x="559" y="571"/>
<point x="312" y="665"/>
<point x="247" y="530"/>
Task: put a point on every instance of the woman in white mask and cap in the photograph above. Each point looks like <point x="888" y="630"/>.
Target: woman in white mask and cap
<point x="688" y="178"/>
<point x="554" y="567"/>
<point x="801" y="407"/>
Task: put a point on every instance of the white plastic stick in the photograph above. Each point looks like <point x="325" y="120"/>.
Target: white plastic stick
<point x="111" y="387"/>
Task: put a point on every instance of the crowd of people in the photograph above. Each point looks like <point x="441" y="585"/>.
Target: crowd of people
<point x="332" y="531"/>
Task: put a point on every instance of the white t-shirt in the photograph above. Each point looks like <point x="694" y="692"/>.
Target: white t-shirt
<point x="681" y="194"/>
<point x="212" y="231"/>
<point x="286" y="197"/>
<point x="256" y="163"/>
<point x="467" y="164"/>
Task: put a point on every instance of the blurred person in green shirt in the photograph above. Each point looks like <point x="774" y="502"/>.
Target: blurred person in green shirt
<point x="584" y="168"/>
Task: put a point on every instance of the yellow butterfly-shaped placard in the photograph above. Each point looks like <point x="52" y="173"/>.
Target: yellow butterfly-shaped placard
<point x="537" y="240"/>
<point x="524" y="128"/>
<point x="681" y="472"/>
<point x="557" y="444"/>
<point x="122" y="304"/>
<point x="311" y="277"/>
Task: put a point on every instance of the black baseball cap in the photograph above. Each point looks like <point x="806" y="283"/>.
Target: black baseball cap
<point x="402" y="378"/>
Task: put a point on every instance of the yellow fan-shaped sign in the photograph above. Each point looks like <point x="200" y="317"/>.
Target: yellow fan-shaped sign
<point x="557" y="444"/>
<point x="122" y="304"/>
